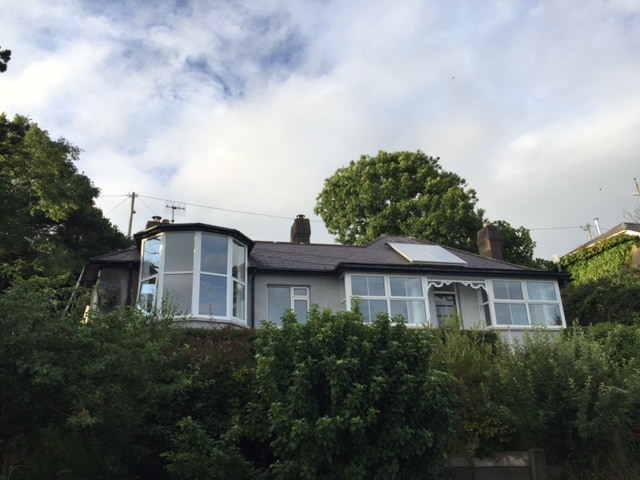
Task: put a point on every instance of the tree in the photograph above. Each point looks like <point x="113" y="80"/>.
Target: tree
<point x="401" y="193"/>
<point x="410" y="194"/>
<point x="49" y="224"/>
<point x="5" y="56"/>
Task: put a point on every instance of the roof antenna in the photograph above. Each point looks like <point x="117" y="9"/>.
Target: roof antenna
<point x="175" y="210"/>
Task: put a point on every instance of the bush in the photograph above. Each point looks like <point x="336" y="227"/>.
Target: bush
<point x="609" y="299"/>
<point x="350" y="400"/>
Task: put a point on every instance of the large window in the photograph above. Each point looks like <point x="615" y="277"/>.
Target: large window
<point x="198" y="274"/>
<point x="394" y="295"/>
<point x="282" y="298"/>
<point x="526" y="303"/>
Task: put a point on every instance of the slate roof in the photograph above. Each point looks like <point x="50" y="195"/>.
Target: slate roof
<point x="318" y="258"/>
<point x="130" y="255"/>
<point x="327" y="258"/>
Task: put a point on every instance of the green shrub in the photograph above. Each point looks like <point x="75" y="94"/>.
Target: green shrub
<point x="607" y="299"/>
<point x="474" y="359"/>
<point x="350" y="400"/>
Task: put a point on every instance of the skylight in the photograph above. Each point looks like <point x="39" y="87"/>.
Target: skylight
<point x="420" y="253"/>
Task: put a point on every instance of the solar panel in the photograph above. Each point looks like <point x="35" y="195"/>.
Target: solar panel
<point x="420" y="253"/>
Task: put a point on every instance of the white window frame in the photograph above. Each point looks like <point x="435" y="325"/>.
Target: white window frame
<point x="158" y="296"/>
<point x="527" y="302"/>
<point x="387" y="297"/>
<point x="297" y="293"/>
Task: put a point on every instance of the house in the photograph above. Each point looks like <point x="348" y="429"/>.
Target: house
<point x="217" y="276"/>
<point x="605" y="255"/>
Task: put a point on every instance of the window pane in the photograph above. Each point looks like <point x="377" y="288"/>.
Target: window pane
<point x="545" y="314"/>
<point x="507" y="290"/>
<point x="544" y="291"/>
<point x="150" y="257"/>
<point x="445" y="307"/>
<point x="300" y="309"/>
<point x="405" y="287"/>
<point x="412" y="311"/>
<point x="147" y="295"/>
<point x="239" y="307"/>
<point x="178" y="254"/>
<point x="511" y="314"/>
<point x="278" y="300"/>
<point x="371" y="308"/>
<point x="176" y="294"/>
<point x="213" y="296"/>
<point x="300" y="291"/>
<point x="214" y="254"/>
<point x="239" y="264"/>
<point x="367" y="285"/>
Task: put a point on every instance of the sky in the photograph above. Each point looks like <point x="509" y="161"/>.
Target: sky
<point x="234" y="113"/>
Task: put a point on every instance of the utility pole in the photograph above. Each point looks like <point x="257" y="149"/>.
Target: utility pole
<point x="131" y="212"/>
<point x="637" y="194"/>
<point x="587" y="228"/>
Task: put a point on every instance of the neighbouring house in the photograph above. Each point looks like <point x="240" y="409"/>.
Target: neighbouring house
<point x="606" y="255"/>
<point x="214" y="276"/>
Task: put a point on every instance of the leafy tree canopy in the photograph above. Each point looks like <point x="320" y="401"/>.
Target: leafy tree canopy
<point x="49" y="224"/>
<point x="410" y="194"/>
<point x="5" y="56"/>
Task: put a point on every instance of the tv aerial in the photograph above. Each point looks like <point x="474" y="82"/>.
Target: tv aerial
<point x="176" y="209"/>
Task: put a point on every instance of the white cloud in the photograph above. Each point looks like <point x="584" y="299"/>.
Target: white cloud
<point x="250" y="106"/>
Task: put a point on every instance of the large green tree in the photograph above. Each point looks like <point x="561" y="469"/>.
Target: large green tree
<point x="409" y="193"/>
<point x="49" y="224"/>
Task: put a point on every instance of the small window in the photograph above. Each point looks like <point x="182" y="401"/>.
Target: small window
<point x="283" y="298"/>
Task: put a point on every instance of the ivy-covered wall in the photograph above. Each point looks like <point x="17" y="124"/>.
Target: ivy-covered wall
<point x="605" y="259"/>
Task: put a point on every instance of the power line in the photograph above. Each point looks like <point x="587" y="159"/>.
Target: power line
<point x="557" y="228"/>
<point x="257" y="214"/>
<point x="244" y="212"/>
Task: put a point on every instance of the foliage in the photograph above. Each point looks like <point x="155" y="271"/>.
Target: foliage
<point x="134" y="396"/>
<point x="74" y="396"/>
<point x="49" y="224"/>
<point x="349" y="400"/>
<point x="409" y="194"/>
<point x="518" y="246"/>
<point x="578" y="399"/>
<point x="5" y="56"/>
<point x="604" y="287"/>
<point x="613" y="299"/>
<point x="603" y="259"/>
<point x="401" y="193"/>
<point x="473" y="359"/>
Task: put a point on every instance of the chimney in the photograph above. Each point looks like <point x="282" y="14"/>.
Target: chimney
<point x="490" y="242"/>
<point x="301" y="230"/>
<point x="155" y="220"/>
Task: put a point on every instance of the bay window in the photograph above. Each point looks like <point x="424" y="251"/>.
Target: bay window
<point x="198" y="274"/>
